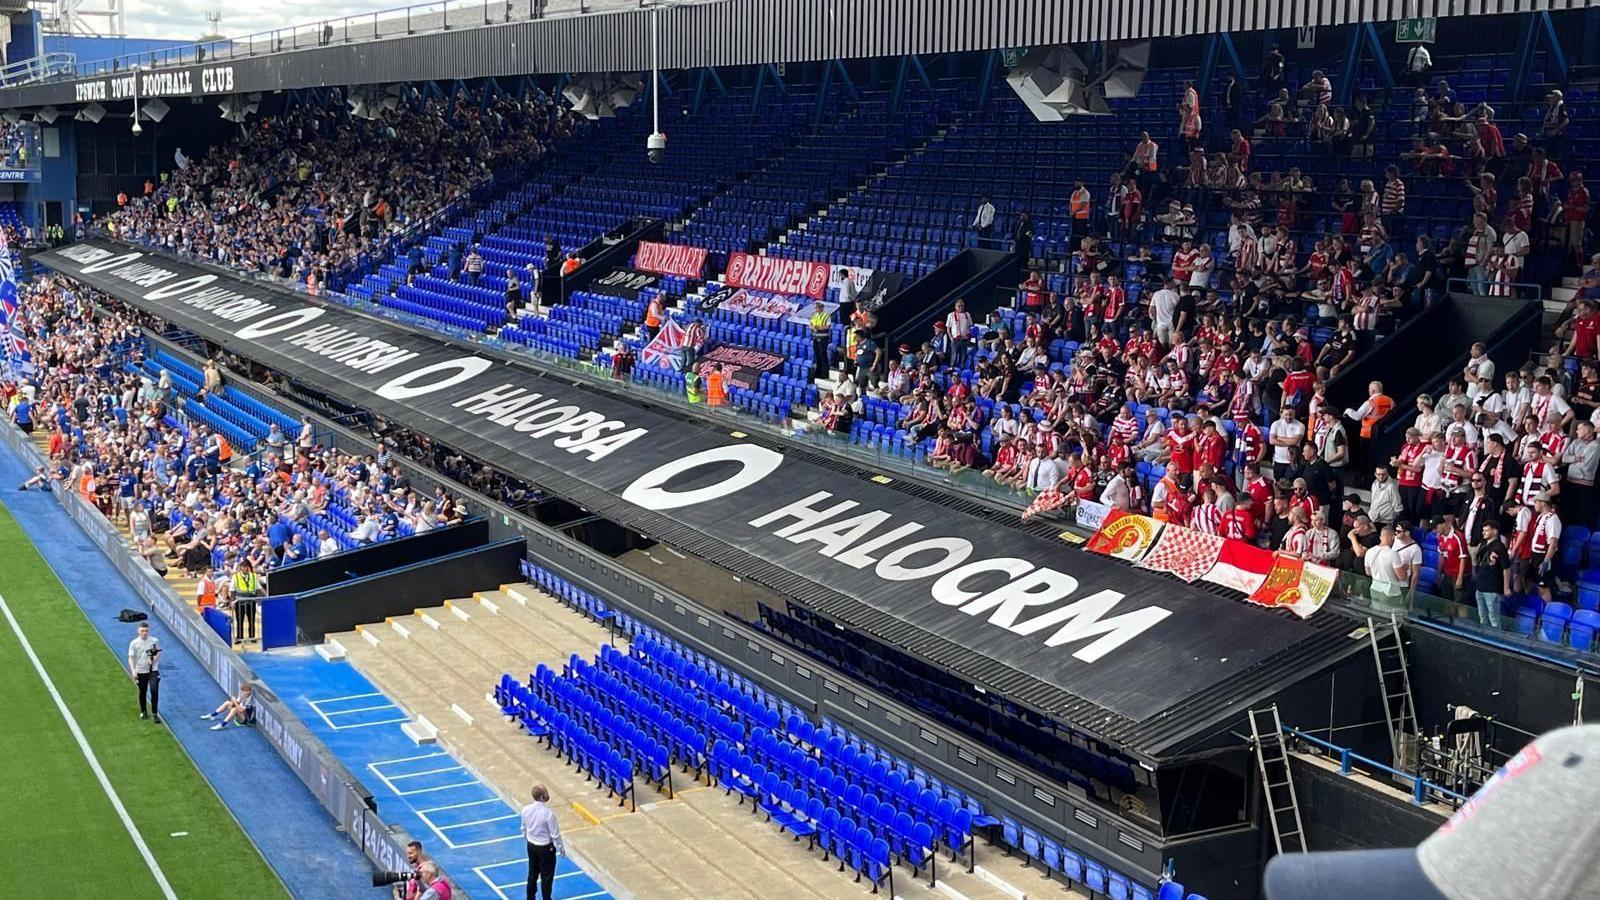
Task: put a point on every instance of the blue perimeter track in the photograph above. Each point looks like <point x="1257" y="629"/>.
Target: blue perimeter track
<point x="463" y="823"/>
<point x="294" y="833"/>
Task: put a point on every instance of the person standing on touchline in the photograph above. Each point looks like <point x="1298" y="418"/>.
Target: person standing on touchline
<point x="144" y="664"/>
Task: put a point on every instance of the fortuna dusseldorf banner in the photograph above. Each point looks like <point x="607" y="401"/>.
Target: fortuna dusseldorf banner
<point x="780" y="276"/>
<point x="671" y="259"/>
<point x="1131" y="642"/>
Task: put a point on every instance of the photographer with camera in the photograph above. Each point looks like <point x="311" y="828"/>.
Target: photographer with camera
<point x="409" y="884"/>
<point x="436" y="888"/>
<point x="144" y="664"/>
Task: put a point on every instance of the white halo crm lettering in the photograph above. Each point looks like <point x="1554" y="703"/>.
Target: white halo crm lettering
<point x="998" y="590"/>
<point x="755" y="463"/>
<point x="533" y="413"/>
<point x="281" y="322"/>
<point x="105" y="265"/>
<point x="415" y="383"/>
<point x="180" y="287"/>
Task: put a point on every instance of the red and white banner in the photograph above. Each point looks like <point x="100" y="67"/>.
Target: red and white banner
<point x="1125" y="536"/>
<point x="1183" y="552"/>
<point x="781" y="276"/>
<point x="1296" y="585"/>
<point x="671" y="259"/>
<point x="1240" y="567"/>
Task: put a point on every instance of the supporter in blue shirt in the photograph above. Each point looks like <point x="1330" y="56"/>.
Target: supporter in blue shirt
<point x="295" y="551"/>
<point x="22" y="414"/>
<point x="277" y="536"/>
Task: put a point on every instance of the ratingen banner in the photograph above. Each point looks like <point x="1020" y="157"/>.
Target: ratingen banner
<point x="780" y="276"/>
<point x="1132" y="643"/>
<point x="671" y="259"/>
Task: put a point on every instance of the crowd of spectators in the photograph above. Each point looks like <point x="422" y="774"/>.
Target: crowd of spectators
<point x="187" y="499"/>
<point x="1200" y="396"/>
<point x="301" y="194"/>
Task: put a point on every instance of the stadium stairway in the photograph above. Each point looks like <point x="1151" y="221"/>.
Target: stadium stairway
<point x="699" y="843"/>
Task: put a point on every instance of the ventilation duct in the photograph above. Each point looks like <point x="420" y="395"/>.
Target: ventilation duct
<point x="155" y="109"/>
<point x="600" y="96"/>
<point x="235" y="107"/>
<point x="371" y="101"/>
<point x="1053" y="82"/>
<point x="1126" y="66"/>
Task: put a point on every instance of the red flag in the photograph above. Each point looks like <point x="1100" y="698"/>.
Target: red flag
<point x="1124" y="535"/>
<point x="1296" y="585"/>
<point x="1048" y="501"/>
<point x="1240" y="566"/>
<point x="1183" y="552"/>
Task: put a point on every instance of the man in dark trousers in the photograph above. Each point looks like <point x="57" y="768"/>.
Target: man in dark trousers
<point x="543" y="834"/>
<point x="1233" y="100"/>
<point x="144" y="664"/>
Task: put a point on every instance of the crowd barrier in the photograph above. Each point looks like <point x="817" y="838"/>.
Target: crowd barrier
<point x="335" y="788"/>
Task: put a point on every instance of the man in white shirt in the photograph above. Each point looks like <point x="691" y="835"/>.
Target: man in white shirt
<point x="144" y="664"/>
<point x="1516" y="245"/>
<point x="1043" y="472"/>
<point x="542" y="833"/>
<point x="1479" y="365"/>
<point x="326" y="545"/>
<point x="1116" y="494"/>
<point x="983" y="222"/>
<point x="1285" y="436"/>
<point x="368" y="530"/>
<point x="1407" y="557"/>
<point x="1163" y="307"/>
<point x="1386" y="505"/>
<point x="1380" y="565"/>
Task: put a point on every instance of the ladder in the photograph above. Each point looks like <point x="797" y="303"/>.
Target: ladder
<point x="1272" y="757"/>
<point x="1394" y="683"/>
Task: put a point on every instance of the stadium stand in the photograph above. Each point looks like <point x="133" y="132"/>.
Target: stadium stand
<point x="472" y="639"/>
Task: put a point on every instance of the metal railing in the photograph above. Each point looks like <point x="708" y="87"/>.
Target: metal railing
<point x="405" y="21"/>
<point x="39" y="68"/>
<point x="1423" y="791"/>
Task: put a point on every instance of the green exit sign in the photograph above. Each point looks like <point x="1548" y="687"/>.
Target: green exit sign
<point x="1415" y="31"/>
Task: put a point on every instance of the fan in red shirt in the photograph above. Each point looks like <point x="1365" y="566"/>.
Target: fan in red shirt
<point x="1577" y="214"/>
<point x="1183" y="261"/>
<point x="1585" y="328"/>
<point x="1081" y="477"/>
<point x="1180" y="447"/>
<point x="1408" y="472"/>
<point x="1302" y="499"/>
<point x="1210" y="448"/>
<point x="1452" y="557"/>
<point x="1297" y="386"/>
<point x="1239" y="523"/>
<point x="1260" y="490"/>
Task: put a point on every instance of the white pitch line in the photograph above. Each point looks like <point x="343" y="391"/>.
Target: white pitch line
<point x="480" y="822"/>
<point x="401" y="759"/>
<point x="442" y="787"/>
<point x="425" y="772"/>
<point x="368" y="724"/>
<point x="346" y="712"/>
<point x="346" y="697"/>
<point x="88" y="754"/>
<point x="431" y="809"/>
